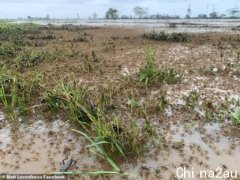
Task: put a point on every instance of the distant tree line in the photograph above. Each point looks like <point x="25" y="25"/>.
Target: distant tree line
<point x="139" y="13"/>
<point x="142" y="13"/>
<point x="233" y="13"/>
<point x="47" y="17"/>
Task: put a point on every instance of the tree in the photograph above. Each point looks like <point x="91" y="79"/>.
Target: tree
<point x="233" y="12"/>
<point x="94" y="15"/>
<point x="223" y="16"/>
<point x="111" y="14"/>
<point x="47" y="17"/>
<point x="140" y="11"/>
<point x="213" y="15"/>
<point x="125" y="17"/>
<point x="202" y="16"/>
<point x="189" y="12"/>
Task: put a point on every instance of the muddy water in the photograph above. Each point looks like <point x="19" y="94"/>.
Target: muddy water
<point x="39" y="147"/>
<point x="182" y="25"/>
<point x="196" y="148"/>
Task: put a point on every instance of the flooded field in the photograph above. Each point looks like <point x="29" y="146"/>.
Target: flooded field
<point x="170" y="25"/>
<point x="120" y="103"/>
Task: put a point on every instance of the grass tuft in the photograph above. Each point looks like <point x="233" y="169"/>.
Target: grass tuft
<point x="236" y="117"/>
<point x="150" y="74"/>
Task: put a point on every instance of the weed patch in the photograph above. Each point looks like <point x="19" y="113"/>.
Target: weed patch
<point x="162" y="36"/>
<point x="150" y="74"/>
<point x="235" y="116"/>
<point x="7" y="49"/>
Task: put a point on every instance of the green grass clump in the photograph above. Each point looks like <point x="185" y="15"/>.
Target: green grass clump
<point x="90" y="110"/>
<point x="70" y="98"/>
<point x="169" y="75"/>
<point x="7" y="49"/>
<point x="150" y="73"/>
<point x="30" y="59"/>
<point x="191" y="100"/>
<point x="12" y="96"/>
<point x="157" y="36"/>
<point x="179" y="37"/>
<point x="161" y="101"/>
<point x="162" y="36"/>
<point x="17" y="92"/>
<point x="236" y="117"/>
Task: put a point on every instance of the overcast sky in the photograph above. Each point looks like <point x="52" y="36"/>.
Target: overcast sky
<point x="85" y="8"/>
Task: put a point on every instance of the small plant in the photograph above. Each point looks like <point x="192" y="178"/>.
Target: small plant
<point x="132" y="103"/>
<point x="12" y="96"/>
<point x="236" y="116"/>
<point x="178" y="145"/>
<point x="80" y="39"/>
<point x="221" y="47"/>
<point x="238" y="54"/>
<point x="147" y="126"/>
<point x="161" y="101"/>
<point x="191" y="100"/>
<point x="169" y="75"/>
<point x="150" y="74"/>
<point x="48" y="36"/>
<point x="87" y="66"/>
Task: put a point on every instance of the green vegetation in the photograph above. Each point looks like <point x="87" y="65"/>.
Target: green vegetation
<point x="161" y="101"/>
<point x="140" y="11"/>
<point x="29" y="59"/>
<point x="111" y="13"/>
<point x="150" y="74"/>
<point x="12" y="94"/>
<point x="219" y="112"/>
<point x="162" y="36"/>
<point x="94" y="118"/>
<point x="7" y="49"/>
<point x="191" y="100"/>
<point x="235" y="116"/>
<point x="80" y="39"/>
<point x="17" y="29"/>
<point x="116" y="114"/>
<point x="96" y="149"/>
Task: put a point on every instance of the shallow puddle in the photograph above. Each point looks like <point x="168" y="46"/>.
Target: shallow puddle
<point x="197" y="149"/>
<point x="37" y="148"/>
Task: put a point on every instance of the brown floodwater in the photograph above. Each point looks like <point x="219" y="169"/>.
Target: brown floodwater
<point x="194" y="147"/>
<point x="40" y="147"/>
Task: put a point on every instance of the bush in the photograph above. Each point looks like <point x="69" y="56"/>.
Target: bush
<point x="162" y="36"/>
